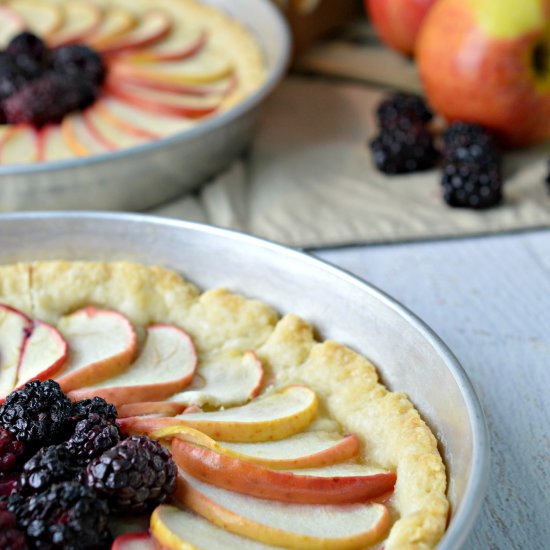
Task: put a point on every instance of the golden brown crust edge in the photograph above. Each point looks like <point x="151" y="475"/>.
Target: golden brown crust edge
<point x="392" y="431"/>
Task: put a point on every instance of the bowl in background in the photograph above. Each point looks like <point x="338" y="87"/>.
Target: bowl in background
<point x="147" y="175"/>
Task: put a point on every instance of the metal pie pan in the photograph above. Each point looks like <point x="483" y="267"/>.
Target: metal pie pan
<point x="409" y="356"/>
<point x="147" y="175"/>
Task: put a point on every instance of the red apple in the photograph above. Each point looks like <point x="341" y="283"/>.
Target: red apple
<point x="489" y="63"/>
<point x="398" y="21"/>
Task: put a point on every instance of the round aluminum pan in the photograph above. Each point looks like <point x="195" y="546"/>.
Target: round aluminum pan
<point x="409" y="356"/>
<point x="144" y="176"/>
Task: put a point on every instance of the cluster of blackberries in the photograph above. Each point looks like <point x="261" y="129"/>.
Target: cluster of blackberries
<point x="39" y="86"/>
<point x="65" y="466"/>
<point x="404" y="144"/>
<point x="472" y="174"/>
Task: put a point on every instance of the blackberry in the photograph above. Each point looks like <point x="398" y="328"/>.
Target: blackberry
<point x="12" y="77"/>
<point x="470" y="184"/>
<point x="92" y="436"/>
<point x="27" y="44"/>
<point x="468" y="142"/>
<point x="134" y="476"/>
<point x="402" y="107"/>
<point x="12" y="452"/>
<point x="78" y="61"/>
<point x="68" y="515"/>
<point x="49" y="466"/>
<point x="37" y="413"/>
<point x="11" y="538"/>
<point x="48" y="99"/>
<point x="472" y="173"/>
<point x="399" y="150"/>
<point x="97" y="405"/>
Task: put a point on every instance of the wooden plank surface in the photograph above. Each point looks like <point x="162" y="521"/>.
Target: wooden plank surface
<point x="489" y="299"/>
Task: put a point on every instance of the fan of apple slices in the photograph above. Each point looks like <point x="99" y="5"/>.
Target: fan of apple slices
<point x="171" y="63"/>
<point x="258" y="467"/>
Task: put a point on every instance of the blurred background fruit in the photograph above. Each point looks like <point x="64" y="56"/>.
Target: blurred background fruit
<point x="398" y="22"/>
<point x="488" y="62"/>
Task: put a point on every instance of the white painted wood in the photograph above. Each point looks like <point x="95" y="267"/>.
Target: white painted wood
<point x="489" y="299"/>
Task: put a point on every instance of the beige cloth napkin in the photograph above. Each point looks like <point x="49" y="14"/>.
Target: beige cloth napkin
<point x="309" y="180"/>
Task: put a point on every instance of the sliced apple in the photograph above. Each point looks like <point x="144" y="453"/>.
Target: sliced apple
<point x="224" y="381"/>
<point x="53" y="145"/>
<point x="19" y="145"/>
<point x="15" y="327"/>
<point x="44" y="354"/>
<point x="331" y="485"/>
<point x="11" y="24"/>
<point x="110" y="135"/>
<point x="207" y="66"/>
<point x="102" y="343"/>
<point x="42" y="18"/>
<point x="78" y="137"/>
<point x="165" y="366"/>
<point x="116" y="22"/>
<point x="219" y="89"/>
<point x="286" y="524"/>
<point x="163" y="102"/>
<point x="176" y="529"/>
<point x="148" y="408"/>
<point x="134" y="541"/>
<point x="81" y="19"/>
<point x="151" y="27"/>
<point x="276" y="416"/>
<point x="132" y="119"/>
<point x="181" y="43"/>
<point x="313" y="449"/>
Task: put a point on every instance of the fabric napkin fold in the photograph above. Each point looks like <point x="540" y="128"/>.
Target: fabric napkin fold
<point x="308" y="180"/>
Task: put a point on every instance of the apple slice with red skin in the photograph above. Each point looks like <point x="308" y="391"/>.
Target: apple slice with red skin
<point x="134" y="541"/>
<point x="80" y="20"/>
<point x="147" y="408"/>
<point x="290" y="525"/>
<point x="313" y="449"/>
<point x="221" y="382"/>
<point x="225" y="381"/>
<point x="275" y="416"/>
<point x="53" y="145"/>
<point x="208" y="65"/>
<point x="115" y="22"/>
<point x="15" y="327"/>
<point x="44" y="354"/>
<point x="111" y="136"/>
<point x="180" y="529"/>
<point x="152" y="27"/>
<point x="134" y="120"/>
<point x="163" y="102"/>
<point x="11" y="23"/>
<point x="331" y="485"/>
<point x="181" y="43"/>
<point x="102" y="343"/>
<point x="218" y="89"/>
<point x="78" y="137"/>
<point x="41" y="18"/>
<point x="165" y="366"/>
<point x="19" y="144"/>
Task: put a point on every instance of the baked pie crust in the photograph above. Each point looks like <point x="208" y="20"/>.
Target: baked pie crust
<point x="393" y="435"/>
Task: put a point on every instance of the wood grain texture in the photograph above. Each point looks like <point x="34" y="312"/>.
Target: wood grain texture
<point x="489" y="299"/>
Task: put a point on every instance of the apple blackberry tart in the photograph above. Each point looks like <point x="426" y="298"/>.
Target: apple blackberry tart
<point x="126" y="391"/>
<point x="82" y="77"/>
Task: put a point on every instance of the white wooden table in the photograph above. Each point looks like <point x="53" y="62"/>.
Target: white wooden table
<point x="489" y="299"/>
